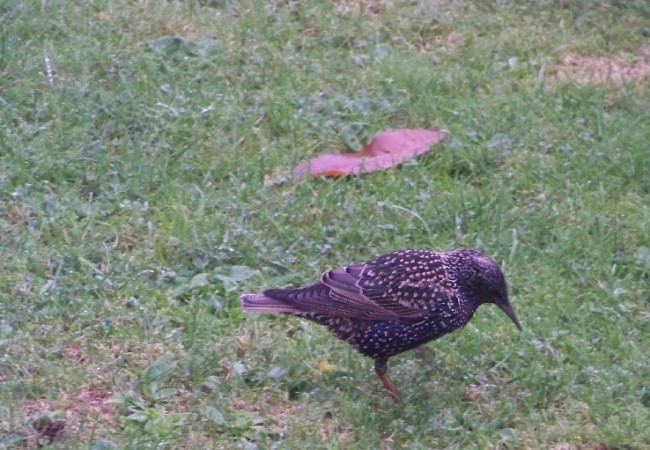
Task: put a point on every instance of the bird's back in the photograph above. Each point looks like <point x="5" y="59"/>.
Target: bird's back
<point x="402" y="300"/>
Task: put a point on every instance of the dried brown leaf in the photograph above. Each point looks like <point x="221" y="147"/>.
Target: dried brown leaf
<point x="388" y="149"/>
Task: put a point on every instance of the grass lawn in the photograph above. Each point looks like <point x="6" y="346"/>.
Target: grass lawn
<point x="146" y="151"/>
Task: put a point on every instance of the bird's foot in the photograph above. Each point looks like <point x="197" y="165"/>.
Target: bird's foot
<point x="380" y="369"/>
<point x="389" y="387"/>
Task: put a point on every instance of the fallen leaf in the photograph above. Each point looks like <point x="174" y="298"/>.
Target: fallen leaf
<point x="388" y="149"/>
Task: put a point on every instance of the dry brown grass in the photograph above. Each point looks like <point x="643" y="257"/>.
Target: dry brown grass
<point x="604" y="70"/>
<point x="368" y="8"/>
<point x="77" y="414"/>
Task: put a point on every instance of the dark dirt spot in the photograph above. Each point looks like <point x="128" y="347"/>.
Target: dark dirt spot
<point x="49" y="429"/>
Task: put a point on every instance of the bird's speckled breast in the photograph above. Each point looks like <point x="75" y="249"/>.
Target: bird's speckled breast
<point x="385" y="339"/>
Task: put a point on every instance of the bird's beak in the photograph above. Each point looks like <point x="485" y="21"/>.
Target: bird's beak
<point x="505" y="306"/>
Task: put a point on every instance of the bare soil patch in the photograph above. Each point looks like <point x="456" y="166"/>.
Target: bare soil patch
<point x="71" y="415"/>
<point x="610" y="70"/>
<point x="365" y="7"/>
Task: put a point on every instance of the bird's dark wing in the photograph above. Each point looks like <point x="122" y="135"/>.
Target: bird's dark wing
<point x="321" y="299"/>
<point x="369" y="299"/>
<point x="400" y="286"/>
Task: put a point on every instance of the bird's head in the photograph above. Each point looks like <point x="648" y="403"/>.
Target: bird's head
<point x="485" y="282"/>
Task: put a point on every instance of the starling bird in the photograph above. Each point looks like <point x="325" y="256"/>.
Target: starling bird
<point x="394" y="302"/>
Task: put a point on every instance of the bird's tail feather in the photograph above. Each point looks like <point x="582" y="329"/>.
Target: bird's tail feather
<point x="259" y="303"/>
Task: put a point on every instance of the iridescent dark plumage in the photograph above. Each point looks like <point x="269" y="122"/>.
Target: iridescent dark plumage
<point x="394" y="302"/>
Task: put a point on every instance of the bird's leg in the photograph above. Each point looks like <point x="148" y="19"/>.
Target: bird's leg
<point x="380" y="369"/>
